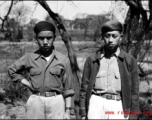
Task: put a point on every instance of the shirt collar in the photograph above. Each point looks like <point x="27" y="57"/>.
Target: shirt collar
<point x="38" y="54"/>
<point x="115" y="54"/>
<point x="101" y="52"/>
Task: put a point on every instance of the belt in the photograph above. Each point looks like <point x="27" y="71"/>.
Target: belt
<point x="109" y="96"/>
<point x="47" y="94"/>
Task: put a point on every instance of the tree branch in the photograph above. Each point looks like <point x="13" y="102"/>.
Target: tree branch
<point x="6" y="16"/>
<point x="132" y="3"/>
<point x="34" y="10"/>
<point x="72" y="3"/>
<point x="51" y="13"/>
<point x="150" y="17"/>
<point x="144" y="15"/>
<point x="146" y="50"/>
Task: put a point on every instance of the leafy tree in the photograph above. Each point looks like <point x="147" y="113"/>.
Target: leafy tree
<point x="96" y="23"/>
<point x="29" y="31"/>
<point x="18" y="17"/>
<point x="20" y="13"/>
<point x="83" y="22"/>
<point x="137" y="25"/>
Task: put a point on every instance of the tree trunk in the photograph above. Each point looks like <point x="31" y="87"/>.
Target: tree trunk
<point x="127" y="27"/>
<point x="85" y="32"/>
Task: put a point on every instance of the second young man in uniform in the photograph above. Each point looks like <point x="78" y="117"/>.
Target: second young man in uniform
<point x="110" y="85"/>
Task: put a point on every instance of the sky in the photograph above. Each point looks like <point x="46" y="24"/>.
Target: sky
<point x="68" y="10"/>
<point x="71" y="9"/>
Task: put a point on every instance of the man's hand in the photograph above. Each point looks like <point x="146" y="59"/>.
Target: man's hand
<point x="68" y="105"/>
<point x="26" y="83"/>
<point x="82" y="118"/>
<point x="67" y="115"/>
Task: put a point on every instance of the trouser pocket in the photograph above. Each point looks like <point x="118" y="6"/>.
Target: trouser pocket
<point x="34" y="108"/>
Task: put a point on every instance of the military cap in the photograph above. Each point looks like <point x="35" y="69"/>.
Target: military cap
<point x="43" y="26"/>
<point x="112" y="25"/>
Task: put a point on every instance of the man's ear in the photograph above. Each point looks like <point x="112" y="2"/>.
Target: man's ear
<point x="120" y="41"/>
<point x="54" y="37"/>
<point x="121" y="36"/>
<point x="36" y="40"/>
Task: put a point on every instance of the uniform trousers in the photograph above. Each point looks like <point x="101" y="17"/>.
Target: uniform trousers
<point x="102" y="108"/>
<point x="39" y="107"/>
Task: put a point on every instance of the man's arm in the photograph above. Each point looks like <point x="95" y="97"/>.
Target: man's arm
<point x="15" y="69"/>
<point x="84" y="86"/>
<point x="134" y="89"/>
<point x="68" y="80"/>
<point x="67" y="107"/>
<point x="69" y="90"/>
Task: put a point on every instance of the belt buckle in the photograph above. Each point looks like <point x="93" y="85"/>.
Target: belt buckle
<point x="115" y="97"/>
<point x="47" y="94"/>
<point x="109" y="97"/>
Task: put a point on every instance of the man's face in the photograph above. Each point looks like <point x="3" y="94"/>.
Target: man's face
<point x="45" y="40"/>
<point x="112" y="39"/>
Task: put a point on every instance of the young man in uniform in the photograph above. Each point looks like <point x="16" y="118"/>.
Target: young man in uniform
<point x="50" y="77"/>
<point x="110" y="84"/>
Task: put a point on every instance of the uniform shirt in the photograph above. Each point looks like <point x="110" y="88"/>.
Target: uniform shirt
<point x="45" y="76"/>
<point x="108" y="78"/>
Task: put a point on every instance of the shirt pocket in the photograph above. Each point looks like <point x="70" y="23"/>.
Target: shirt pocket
<point x="100" y="80"/>
<point x="35" y="72"/>
<point x="117" y="75"/>
<point x="56" y="71"/>
<point x="36" y="77"/>
<point x="117" y="82"/>
<point x="55" y="76"/>
<point x="101" y="74"/>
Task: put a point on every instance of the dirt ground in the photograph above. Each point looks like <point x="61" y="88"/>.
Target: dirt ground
<point x="8" y="111"/>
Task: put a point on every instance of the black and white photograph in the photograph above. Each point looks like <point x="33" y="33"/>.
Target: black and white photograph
<point x="76" y="59"/>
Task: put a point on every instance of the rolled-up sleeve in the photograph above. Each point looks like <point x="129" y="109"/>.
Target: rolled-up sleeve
<point x="68" y="80"/>
<point x="14" y="70"/>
